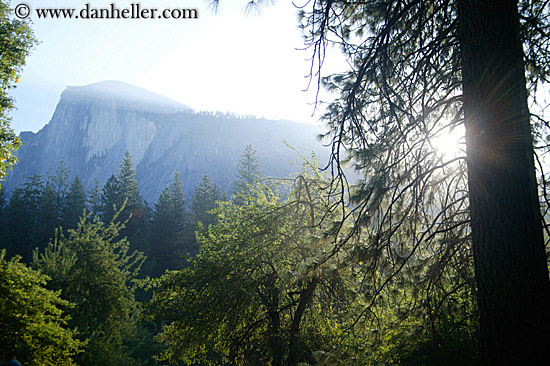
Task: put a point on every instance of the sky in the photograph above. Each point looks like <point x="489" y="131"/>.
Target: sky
<point x="226" y="61"/>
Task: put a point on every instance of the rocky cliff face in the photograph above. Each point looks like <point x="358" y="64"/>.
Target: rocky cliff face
<point x="94" y="125"/>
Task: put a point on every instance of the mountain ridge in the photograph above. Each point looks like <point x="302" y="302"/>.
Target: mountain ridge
<point x="94" y="125"/>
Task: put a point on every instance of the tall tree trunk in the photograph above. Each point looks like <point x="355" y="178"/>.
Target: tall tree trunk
<point x="271" y="302"/>
<point x="509" y="256"/>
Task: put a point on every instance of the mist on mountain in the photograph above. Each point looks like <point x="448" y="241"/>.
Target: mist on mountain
<point x="94" y="125"/>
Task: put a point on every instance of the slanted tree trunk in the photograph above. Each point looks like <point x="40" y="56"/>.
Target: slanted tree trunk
<point x="293" y="342"/>
<point x="509" y="256"/>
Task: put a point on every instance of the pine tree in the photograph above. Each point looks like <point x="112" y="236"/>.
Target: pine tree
<point x="60" y="185"/>
<point x="249" y="170"/>
<point x="111" y="199"/>
<point x="48" y="215"/>
<point x="134" y="210"/>
<point x="3" y="203"/>
<point x="121" y="190"/>
<point x="418" y="69"/>
<point x="52" y="203"/>
<point x="94" y="200"/>
<point x="247" y="174"/>
<point x="94" y="269"/>
<point x="180" y="217"/>
<point x="204" y="199"/>
<point x="21" y="218"/>
<point x="129" y="190"/>
<point x="168" y="228"/>
<point x="3" y="216"/>
<point x="507" y="235"/>
<point x="178" y="198"/>
<point x="75" y="204"/>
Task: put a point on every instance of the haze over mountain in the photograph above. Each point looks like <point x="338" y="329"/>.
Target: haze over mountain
<point x="94" y="125"/>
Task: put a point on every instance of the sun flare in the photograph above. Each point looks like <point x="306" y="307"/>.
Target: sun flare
<point x="449" y="143"/>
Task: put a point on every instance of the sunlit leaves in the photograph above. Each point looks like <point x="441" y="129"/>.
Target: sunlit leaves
<point x="32" y="319"/>
<point x="16" y="42"/>
<point x="93" y="268"/>
<point x="262" y="286"/>
<point x="408" y="212"/>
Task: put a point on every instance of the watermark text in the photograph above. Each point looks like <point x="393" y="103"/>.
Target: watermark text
<point x="133" y="11"/>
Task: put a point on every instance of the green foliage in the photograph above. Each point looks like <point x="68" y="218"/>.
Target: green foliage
<point x="204" y="200"/>
<point x="3" y="202"/>
<point x="247" y="175"/>
<point x="94" y="270"/>
<point x="111" y="198"/>
<point x="129" y="190"/>
<point x="121" y="190"/>
<point x="410" y="210"/>
<point x="261" y="290"/>
<point x="20" y="224"/>
<point x="75" y="204"/>
<point x="34" y="328"/>
<point x="94" y="200"/>
<point x="34" y="211"/>
<point x="278" y="280"/>
<point x="404" y="329"/>
<point x="169" y="226"/>
<point x="16" y="42"/>
<point x="134" y="209"/>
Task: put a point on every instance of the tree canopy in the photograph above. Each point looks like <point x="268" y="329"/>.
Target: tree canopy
<point x="170" y="224"/>
<point x="33" y="318"/>
<point x="94" y="269"/>
<point x="433" y="256"/>
<point x="248" y="171"/>
<point x="418" y="70"/>
<point x="16" y="42"/>
<point x="253" y="294"/>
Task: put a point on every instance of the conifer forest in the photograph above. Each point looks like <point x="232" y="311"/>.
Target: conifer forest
<point x="423" y="239"/>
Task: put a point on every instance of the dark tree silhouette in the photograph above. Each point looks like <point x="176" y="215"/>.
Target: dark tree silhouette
<point x="418" y="69"/>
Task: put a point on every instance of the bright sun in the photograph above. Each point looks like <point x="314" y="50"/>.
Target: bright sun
<point x="450" y="143"/>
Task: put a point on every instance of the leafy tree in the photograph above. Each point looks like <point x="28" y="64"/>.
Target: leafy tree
<point x="423" y="314"/>
<point x="264" y="289"/>
<point x="168" y="228"/>
<point x="95" y="271"/>
<point x="34" y="327"/>
<point x="204" y="199"/>
<point x="17" y="40"/>
<point x="420" y="68"/>
<point x="257" y="292"/>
